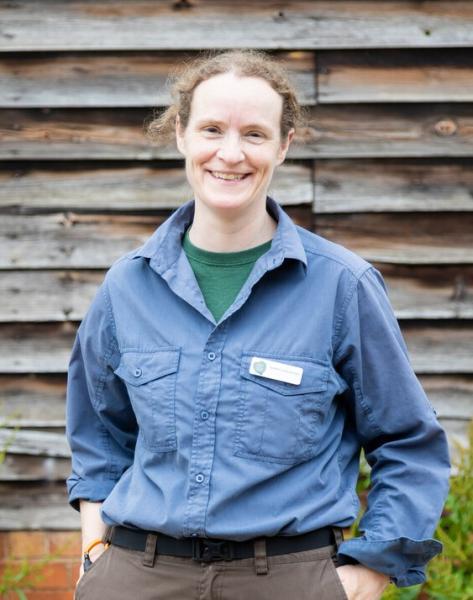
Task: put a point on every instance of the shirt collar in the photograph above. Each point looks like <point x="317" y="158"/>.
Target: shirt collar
<point x="165" y="245"/>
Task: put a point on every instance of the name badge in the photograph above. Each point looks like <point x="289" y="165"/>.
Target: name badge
<point x="273" y="369"/>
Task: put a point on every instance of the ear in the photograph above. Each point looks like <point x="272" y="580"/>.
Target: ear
<point x="284" y="147"/>
<point x="180" y="136"/>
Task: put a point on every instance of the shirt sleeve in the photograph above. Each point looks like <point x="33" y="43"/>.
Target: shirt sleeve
<point x="397" y="427"/>
<point x="100" y="423"/>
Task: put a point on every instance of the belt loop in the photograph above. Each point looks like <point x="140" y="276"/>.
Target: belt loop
<point x="338" y="535"/>
<point x="150" y="550"/>
<point x="261" y="560"/>
<point x="107" y="536"/>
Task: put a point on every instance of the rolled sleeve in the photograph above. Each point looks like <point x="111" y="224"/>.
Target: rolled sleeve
<point x="100" y="424"/>
<point x="403" y="442"/>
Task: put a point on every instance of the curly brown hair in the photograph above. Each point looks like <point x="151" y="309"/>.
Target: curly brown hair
<point x="244" y="63"/>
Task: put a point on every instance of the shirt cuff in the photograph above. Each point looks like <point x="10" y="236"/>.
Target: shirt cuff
<point x="403" y="559"/>
<point x="86" y="490"/>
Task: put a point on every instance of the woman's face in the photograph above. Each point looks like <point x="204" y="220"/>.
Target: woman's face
<point x="232" y="142"/>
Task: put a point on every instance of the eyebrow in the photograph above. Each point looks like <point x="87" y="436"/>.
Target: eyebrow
<point x="246" y="126"/>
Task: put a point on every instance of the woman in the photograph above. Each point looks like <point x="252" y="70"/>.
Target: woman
<point x="226" y="376"/>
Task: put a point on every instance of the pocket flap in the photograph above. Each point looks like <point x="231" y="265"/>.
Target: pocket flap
<point x="138" y="368"/>
<point x="314" y="377"/>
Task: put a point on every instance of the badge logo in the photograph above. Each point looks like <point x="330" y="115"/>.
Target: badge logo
<point x="259" y="366"/>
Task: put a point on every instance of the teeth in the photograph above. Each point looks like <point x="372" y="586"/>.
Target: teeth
<point x="227" y="175"/>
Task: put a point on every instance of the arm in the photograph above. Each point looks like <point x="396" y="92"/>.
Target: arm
<point x="398" y="429"/>
<point x="92" y="528"/>
<point x="101" y="426"/>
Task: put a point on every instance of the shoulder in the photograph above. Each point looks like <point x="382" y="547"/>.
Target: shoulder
<point x="321" y="250"/>
<point x="128" y="265"/>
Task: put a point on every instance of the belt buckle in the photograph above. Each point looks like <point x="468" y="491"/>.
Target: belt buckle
<point x="207" y="550"/>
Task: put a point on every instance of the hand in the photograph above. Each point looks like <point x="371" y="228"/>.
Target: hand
<point x="93" y="554"/>
<point x="362" y="583"/>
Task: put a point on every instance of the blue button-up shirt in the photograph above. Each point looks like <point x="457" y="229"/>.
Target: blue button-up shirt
<point x="171" y="427"/>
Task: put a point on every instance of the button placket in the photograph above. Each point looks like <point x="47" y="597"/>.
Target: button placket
<point x="203" y="441"/>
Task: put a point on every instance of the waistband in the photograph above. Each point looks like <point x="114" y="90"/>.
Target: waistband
<point x="211" y="549"/>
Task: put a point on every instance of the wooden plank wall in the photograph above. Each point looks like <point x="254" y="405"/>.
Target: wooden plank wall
<point x="385" y="170"/>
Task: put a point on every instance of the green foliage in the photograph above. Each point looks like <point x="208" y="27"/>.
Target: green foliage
<point x="17" y="577"/>
<point x="450" y="574"/>
<point x="4" y="424"/>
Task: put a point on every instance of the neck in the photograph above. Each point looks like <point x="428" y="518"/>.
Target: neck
<point x="231" y="231"/>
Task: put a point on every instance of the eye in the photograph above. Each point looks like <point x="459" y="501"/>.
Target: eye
<point x="255" y="136"/>
<point x="212" y="129"/>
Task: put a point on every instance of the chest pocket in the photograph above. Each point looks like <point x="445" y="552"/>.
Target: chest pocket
<point x="150" y="378"/>
<point x="278" y="421"/>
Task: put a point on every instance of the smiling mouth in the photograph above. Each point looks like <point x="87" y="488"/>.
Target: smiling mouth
<point x="229" y="176"/>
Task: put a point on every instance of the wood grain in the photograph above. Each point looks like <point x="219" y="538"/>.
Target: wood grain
<point x="123" y="188"/>
<point x="196" y="24"/>
<point x="430" y="75"/>
<point x="30" y="400"/>
<point x="393" y="185"/>
<point x="106" y="79"/>
<point x="72" y="240"/>
<point x="402" y="238"/>
<point x="334" y="131"/>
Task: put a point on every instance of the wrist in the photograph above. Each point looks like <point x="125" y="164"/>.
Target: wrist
<point x="92" y="551"/>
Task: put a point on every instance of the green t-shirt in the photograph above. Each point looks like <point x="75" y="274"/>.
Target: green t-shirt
<point x="220" y="275"/>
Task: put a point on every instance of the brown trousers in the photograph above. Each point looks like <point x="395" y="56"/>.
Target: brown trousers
<point x="123" y="574"/>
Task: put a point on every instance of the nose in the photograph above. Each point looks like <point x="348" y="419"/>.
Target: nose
<point x="230" y="149"/>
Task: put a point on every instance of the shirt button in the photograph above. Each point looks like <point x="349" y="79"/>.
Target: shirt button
<point x="199" y="478"/>
<point x="204" y="415"/>
<point x="137" y="372"/>
<point x="211" y="355"/>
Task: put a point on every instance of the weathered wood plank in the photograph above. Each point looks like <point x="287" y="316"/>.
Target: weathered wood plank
<point x="122" y="188"/>
<point x="395" y="76"/>
<point x="403" y="238"/>
<point x="151" y="25"/>
<point x="40" y="348"/>
<point x="36" y="506"/>
<point x="440" y="347"/>
<point x="451" y="395"/>
<point x="340" y="186"/>
<point x="416" y="293"/>
<point x="33" y="400"/>
<point x="18" y="467"/>
<point x="442" y="292"/>
<point x="348" y="186"/>
<point x="45" y="348"/>
<point x="335" y="131"/>
<point x="382" y="130"/>
<point x="112" y="80"/>
<point x="70" y="240"/>
<point x="47" y="295"/>
<point x="35" y="443"/>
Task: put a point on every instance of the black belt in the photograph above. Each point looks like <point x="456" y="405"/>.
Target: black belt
<point x="209" y="549"/>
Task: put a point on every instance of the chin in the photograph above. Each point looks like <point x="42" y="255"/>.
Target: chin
<point x="227" y="202"/>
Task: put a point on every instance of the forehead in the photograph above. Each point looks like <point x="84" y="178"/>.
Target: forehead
<point x="232" y="98"/>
